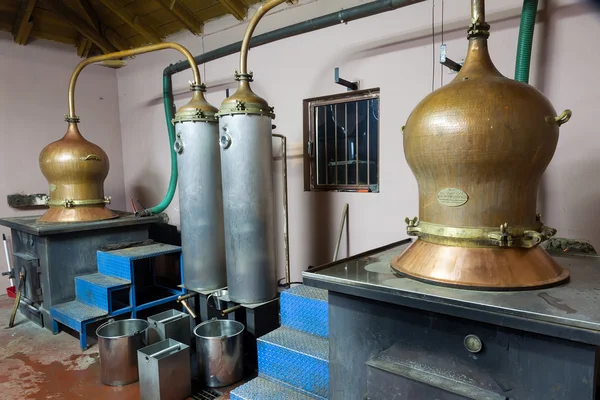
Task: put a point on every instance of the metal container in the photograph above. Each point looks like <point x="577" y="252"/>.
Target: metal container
<point x="118" y="343"/>
<point x="478" y="148"/>
<point x="246" y="157"/>
<point x="171" y="324"/>
<point x="219" y="347"/>
<point x="165" y="371"/>
<point x="200" y="195"/>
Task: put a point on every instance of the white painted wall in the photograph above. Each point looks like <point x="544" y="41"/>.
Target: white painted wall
<point x="33" y="101"/>
<point x="392" y="51"/>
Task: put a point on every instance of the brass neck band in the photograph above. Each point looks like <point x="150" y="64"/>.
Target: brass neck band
<point x="503" y="236"/>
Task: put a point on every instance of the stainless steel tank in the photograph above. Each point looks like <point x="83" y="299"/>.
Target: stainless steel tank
<point x="200" y="194"/>
<point x="245" y="128"/>
<point x="246" y="156"/>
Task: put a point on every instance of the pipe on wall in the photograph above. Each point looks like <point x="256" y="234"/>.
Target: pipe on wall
<point x="311" y="25"/>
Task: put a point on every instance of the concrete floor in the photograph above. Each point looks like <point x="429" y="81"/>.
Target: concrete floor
<point x="34" y="364"/>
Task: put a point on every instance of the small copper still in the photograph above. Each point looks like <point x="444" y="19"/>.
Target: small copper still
<point x="478" y="148"/>
<point x="76" y="168"/>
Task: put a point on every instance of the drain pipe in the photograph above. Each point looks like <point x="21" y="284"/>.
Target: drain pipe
<point x="311" y="25"/>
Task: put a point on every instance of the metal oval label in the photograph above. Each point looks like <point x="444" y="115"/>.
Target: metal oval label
<point x="452" y="197"/>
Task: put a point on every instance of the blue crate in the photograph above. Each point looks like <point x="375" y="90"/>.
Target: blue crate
<point x="296" y="358"/>
<point x="305" y="308"/>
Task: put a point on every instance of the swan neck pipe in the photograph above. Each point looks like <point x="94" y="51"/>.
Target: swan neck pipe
<point x="127" y="53"/>
<point x="265" y="8"/>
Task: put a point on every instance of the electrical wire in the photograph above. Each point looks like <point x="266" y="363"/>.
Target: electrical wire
<point x="441" y="66"/>
<point x="433" y="44"/>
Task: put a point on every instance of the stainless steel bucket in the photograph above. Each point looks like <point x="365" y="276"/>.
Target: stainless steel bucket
<point x="118" y="343"/>
<point x="219" y="346"/>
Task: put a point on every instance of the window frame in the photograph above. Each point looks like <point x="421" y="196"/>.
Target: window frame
<point x="309" y="135"/>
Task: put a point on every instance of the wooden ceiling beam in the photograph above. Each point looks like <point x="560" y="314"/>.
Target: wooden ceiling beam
<point x="132" y="20"/>
<point x="23" y="22"/>
<point x="235" y="8"/>
<point x="184" y="15"/>
<point x="83" y="47"/>
<point x="92" y="18"/>
<point x="81" y="25"/>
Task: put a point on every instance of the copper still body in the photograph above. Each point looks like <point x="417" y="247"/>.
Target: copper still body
<point x="76" y="168"/>
<point x="478" y="148"/>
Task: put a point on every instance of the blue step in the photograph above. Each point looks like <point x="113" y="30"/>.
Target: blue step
<point x="305" y="308"/>
<point x="297" y="358"/>
<point x="96" y="290"/>
<point x="265" y="389"/>
<point x="74" y="313"/>
<point x="119" y="263"/>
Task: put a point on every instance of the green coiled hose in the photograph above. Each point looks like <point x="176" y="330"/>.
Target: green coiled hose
<point x="525" y="42"/>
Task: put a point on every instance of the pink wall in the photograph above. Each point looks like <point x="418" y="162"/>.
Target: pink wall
<point x="392" y="51"/>
<point x="33" y="101"/>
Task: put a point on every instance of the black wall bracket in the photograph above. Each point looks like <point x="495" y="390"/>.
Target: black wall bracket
<point x="445" y="61"/>
<point x="343" y="82"/>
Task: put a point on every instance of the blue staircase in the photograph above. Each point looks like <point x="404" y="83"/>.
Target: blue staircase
<point x="293" y="361"/>
<point x="112" y="291"/>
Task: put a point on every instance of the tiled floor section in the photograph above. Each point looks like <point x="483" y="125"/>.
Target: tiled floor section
<point x="34" y="364"/>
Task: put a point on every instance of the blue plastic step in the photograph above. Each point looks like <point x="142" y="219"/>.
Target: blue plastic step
<point x="96" y="290"/>
<point x="305" y="308"/>
<point x="265" y="389"/>
<point x="74" y="313"/>
<point x="119" y="263"/>
<point x="297" y="358"/>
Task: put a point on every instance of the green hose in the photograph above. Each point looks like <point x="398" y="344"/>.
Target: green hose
<point x="169" y="111"/>
<point x="525" y="40"/>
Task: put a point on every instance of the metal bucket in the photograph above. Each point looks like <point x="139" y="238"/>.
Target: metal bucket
<point x="118" y="343"/>
<point x="219" y="345"/>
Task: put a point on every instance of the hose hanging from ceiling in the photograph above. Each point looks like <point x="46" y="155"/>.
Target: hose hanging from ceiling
<point x="525" y="42"/>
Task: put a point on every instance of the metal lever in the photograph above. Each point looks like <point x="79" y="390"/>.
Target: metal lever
<point x="445" y="61"/>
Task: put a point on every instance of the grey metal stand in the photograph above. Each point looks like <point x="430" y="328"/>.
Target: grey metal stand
<point x="396" y="336"/>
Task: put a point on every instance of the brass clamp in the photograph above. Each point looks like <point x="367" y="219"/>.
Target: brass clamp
<point x="74" y="119"/>
<point x="242" y="107"/>
<point x="504" y="236"/>
<point x="194" y="115"/>
<point x="70" y="203"/>
<point x="195" y="87"/>
<point x="478" y="29"/>
<point x="244" y="77"/>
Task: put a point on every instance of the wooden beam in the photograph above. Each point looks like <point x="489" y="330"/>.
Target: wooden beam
<point x="83" y="47"/>
<point x="132" y="20"/>
<point x="184" y="15"/>
<point x="81" y="25"/>
<point x="92" y="18"/>
<point x="235" y="8"/>
<point x="23" y="23"/>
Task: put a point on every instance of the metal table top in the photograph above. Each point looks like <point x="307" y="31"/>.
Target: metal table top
<point x="30" y="224"/>
<point x="570" y="311"/>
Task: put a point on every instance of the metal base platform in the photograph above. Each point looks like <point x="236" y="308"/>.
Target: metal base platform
<point x="52" y="254"/>
<point x="393" y="334"/>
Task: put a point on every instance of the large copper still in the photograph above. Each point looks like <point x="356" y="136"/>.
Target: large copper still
<point x="478" y="148"/>
<point x="76" y="168"/>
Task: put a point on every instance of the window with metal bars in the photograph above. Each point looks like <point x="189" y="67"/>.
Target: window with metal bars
<point x="342" y="137"/>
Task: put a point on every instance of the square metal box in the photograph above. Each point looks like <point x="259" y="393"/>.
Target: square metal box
<point x="171" y="324"/>
<point x="164" y="370"/>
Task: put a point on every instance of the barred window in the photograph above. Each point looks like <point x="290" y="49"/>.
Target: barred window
<point x="342" y="137"/>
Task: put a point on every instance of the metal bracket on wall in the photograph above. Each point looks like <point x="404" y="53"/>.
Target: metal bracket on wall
<point x="445" y="61"/>
<point x="343" y="82"/>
